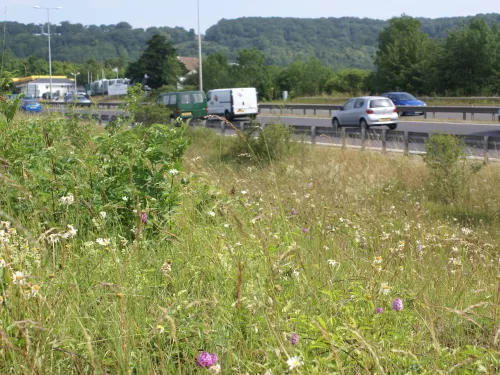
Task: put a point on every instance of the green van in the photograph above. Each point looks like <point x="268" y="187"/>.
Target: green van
<point x="185" y="104"/>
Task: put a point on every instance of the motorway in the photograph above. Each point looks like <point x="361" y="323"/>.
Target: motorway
<point x="408" y="124"/>
<point x="412" y="124"/>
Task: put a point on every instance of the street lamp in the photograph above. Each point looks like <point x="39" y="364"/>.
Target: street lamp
<point x="74" y="75"/>
<point x="199" y="50"/>
<point x="48" y="29"/>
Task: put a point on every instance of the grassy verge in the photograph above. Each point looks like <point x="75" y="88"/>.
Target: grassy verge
<point x="323" y="261"/>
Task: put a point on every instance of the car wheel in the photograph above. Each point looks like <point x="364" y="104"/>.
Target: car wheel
<point x="335" y="123"/>
<point x="392" y="126"/>
<point x="363" y="124"/>
<point x="228" y="116"/>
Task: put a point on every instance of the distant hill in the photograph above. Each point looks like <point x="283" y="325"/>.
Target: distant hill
<point x="338" y="42"/>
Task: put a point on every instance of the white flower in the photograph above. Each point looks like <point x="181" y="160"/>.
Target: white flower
<point x="244" y="192"/>
<point x="173" y="172"/>
<point x="71" y="232"/>
<point x="54" y="238"/>
<point x="2" y="263"/>
<point x="211" y="213"/>
<point x="294" y="362"/>
<point x="326" y="248"/>
<point x="215" y="369"/>
<point x="124" y="198"/>
<point x="103" y="214"/>
<point x="34" y="290"/>
<point x="67" y="200"/>
<point x="18" y="278"/>
<point x="377" y="260"/>
<point x="103" y="241"/>
<point x="385" y="289"/>
<point x="296" y="273"/>
<point x="226" y="225"/>
<point x="160" y="329"/>
<point x="333" y="263"/>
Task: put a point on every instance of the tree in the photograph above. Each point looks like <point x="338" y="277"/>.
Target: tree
<point x="159" y="62"/>
<point x="403" y="56"/>
<point x="470" y="62"/>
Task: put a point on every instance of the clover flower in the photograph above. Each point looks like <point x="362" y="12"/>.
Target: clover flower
<point x="206" y="359"/>
<point x="397" y="305"/>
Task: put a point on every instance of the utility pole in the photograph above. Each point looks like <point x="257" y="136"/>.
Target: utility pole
<point x="200" y="69"/>
<point x="50" y="55"/>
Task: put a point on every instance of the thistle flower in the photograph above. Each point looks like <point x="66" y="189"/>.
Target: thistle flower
<point x="206" y="359"/>
<point x="294" y="340"/>
<point x="397" y="305"/>
<point x="144" y="217"/>
<point x="379" y="310"/>
<point x="294" y="362"/>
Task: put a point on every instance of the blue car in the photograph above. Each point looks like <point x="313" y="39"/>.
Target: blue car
<point x="30" y="105"/>
<point x="401" y="99"/>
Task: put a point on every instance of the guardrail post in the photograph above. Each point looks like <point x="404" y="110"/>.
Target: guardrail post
<point x="407" y="143"/>
<point x="486" y="148"/>
<point x="425" y="114"/>
<point x="472" y="116"/>
<point x="313" y="135"/>
<point x="330" y="112"/>
<point x="314" y="111"/>
<point x="305" y="111"/>
<point x="223" y="127"/>
<point x="465" y="116"/>
<point x="344" y="137"/>
<point x="363" y="138"/>
<point x="242" y="126"/>
<point x="384" y="140"/>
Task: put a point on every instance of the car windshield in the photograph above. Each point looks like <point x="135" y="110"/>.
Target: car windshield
<point x="405" y="96"/>
<point x="381" y="103"/>
<point x="82" y="98"/>
<point x="31" y="102"/>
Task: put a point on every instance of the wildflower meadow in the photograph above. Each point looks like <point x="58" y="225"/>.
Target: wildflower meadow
<point x="163" y="249"/>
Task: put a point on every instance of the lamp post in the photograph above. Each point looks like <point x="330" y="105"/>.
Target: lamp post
<point x="74" y="75"/>
<point x="48" y="29"/>
<point x="199" y="50"/>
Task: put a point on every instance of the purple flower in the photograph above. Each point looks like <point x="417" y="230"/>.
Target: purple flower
<point x="206" y="359"/>
<point x="379" y="310"/>
<point x="397" y="305"/>
<point x="294" y="340"/>
<point x="144" y="217"/>
<point x="304" y="230"/>
<point x="294" y="211"/>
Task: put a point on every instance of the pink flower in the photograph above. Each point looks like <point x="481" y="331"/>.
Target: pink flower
<point x="294" y="212"/>
<point x="304" y="230"/>
<point x="144" y="217"/>
<point x="397" y="305"/>
<point x="379" y="310"/>
<point x="206" y="359"/>
<point x="294" y="340"/>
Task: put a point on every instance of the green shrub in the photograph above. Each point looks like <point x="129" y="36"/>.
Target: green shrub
<point x="449" y="169"/>
<point x="271" y="143"/>
<point x="149" y="114"/>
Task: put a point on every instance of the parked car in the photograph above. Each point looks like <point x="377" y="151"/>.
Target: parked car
<point x="31" y="105"/>
<point x="402" y="99"/>
<point x="79" y="100"/>
<point x="232" y="103"/>
<point x="367" y="111"/>
<point x="185" y="104"/>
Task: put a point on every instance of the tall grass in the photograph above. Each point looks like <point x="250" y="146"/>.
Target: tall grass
<point x="312" y="243"/>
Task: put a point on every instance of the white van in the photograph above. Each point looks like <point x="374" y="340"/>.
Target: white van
<point x="231" y="103"/>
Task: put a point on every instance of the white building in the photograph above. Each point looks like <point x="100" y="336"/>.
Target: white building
<point x="36" y="86"/>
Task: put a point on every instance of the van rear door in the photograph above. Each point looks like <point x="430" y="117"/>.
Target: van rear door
<point x="244" y="101"/>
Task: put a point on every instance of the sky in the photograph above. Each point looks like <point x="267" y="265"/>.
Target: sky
<point x="183" y="13"/>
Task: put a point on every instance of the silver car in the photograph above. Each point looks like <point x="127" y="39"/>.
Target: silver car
<point x="367" y="111"/>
